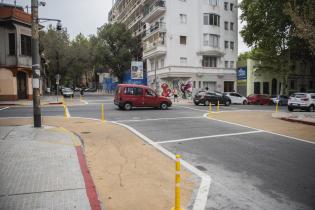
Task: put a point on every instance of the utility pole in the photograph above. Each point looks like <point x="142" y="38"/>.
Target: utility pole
<point x="36" y="66"/>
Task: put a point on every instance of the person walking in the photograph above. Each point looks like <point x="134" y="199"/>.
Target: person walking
<point x="175" y="94"/>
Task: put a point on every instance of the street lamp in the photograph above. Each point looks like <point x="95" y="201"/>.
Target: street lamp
<point x="36" y="60"/>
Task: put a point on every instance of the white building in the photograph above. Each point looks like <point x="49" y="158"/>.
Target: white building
<point x="188" y="40"/>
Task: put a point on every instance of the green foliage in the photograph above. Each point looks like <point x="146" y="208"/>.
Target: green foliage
<point x="115" y="48"/>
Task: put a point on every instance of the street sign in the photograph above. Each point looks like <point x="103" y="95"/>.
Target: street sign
<point x="57" y="77"/>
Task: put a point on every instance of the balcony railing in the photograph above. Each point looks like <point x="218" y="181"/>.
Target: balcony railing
<point x="158" y="26"/>
<point x="154" y="10"/>
<point x="147" y="47"/>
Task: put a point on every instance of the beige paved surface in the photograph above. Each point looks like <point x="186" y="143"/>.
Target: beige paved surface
<point x="265" y="121"/>
<point x="128" y="173"/>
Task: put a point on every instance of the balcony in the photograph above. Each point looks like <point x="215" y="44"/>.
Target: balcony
<point x="156" y="48"/>
<point x="158" y="27"/>
<point x="153" y="11"/>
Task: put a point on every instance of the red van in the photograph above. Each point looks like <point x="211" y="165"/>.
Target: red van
<point x="130" y="95"/>
<point x="259" y="99"/>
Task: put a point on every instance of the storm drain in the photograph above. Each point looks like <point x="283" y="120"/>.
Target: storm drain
<point x="85" y="132"/>
<point x="201" y="168"/>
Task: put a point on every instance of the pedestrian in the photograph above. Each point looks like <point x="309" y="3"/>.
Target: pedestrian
<point x="175" y="94"/>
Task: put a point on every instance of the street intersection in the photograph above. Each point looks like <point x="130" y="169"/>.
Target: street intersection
<point x="250" y="168"/>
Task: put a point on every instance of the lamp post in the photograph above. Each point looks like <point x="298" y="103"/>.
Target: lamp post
<point x="36" y="66"/>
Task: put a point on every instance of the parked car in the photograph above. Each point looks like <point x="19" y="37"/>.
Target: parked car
<point x="236" y="98"/>
<point x="67" y="92"/>
<point x="304" y="101"/>
<point x="129" y="95"/>
<point x="280" y="99"/>
<point x="206" y="98"/>
<point x="259" y="99"/>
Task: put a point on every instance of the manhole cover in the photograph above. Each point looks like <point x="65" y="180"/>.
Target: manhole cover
<point x="85" y="132"/>
<point x="201" y="168"/>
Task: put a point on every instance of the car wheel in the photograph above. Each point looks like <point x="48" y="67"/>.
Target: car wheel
<point x="245" y="102"/>
<point x="227" y="103"/>
<point x="127" y="106"/>
<point x="164" y="106"/>
<point x="311" y="108"/>
<point x="196" y="103"/>
<point x="207" y="103"/>
<point x="290" y="109"/>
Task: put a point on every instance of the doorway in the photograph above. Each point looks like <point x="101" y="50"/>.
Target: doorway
<point x="274" y="87"/>
<point x="21" y="85"/>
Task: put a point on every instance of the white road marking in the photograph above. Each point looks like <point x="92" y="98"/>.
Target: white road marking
<point x="157" y="119"/>
<point x="4" y="108"/>
<point x="208" y="137"/>
<point x="84" y="101"/>
<point x="265" y="131"/>
<point x="202" y="194"/>
<point x="186" y="107"/>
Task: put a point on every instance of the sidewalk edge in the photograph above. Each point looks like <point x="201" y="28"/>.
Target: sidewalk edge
<point x="297" y="121"/>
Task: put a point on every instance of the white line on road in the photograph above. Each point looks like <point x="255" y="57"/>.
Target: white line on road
<point x="157" y="119"/>
<point x="265" y="131"/>
<point x="186" y="107"/>
<point x="208" y="137"/>
<point x="4" y="108"/>
<point x="202" y="194"/>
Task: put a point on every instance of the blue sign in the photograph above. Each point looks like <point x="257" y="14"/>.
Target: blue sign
<point x="242" y="73"/>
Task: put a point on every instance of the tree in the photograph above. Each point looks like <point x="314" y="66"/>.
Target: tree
<point x="54" y="48"/>
<point x="270" y="30"/>
<point x="303" y="17"/>
<point x="115" y="48"/>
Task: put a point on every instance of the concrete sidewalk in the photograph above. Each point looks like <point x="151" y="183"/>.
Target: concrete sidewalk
<point x="307" y="118"/>
<point x="40" y="169"/>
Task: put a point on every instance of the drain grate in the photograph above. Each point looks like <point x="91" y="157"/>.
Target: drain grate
<point x="85" y="132"/>
<point x="201" y="168"/>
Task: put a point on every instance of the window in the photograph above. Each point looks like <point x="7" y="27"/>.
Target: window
<point x="183" y="40"/>
<point x="211" y="40"/>
<point x="226" y="44"/>
<point x="150" y="93"/>
<point x="266" y="88"/>
<point x="292" y="84"/>
<point x="232" y="45"/>
<point x="226" y="64"/>
<point x="213" y="2"/>
<point x="211" y="19"/>
<point x="133" y="91"/>
<point x="209" y="61"/>
<point x="226" y="6"/>
<point x="183" y="61"/>
<point x="231" y="6"/>
<point x="162" y="62"/>
<point x="310" y="84"/>
<point x="183" y="18"/>
<point x="226" y="25"/>
<point x="194" y="84"/>
<point x="199" y="84"/>
<point x="232" y="26"/>
<point x="152" y="64"/>
<point x="256" y="87"/>
<point x="25" y="45"/>
<point x="11" y="44"/>
<point x="231" y="64"/>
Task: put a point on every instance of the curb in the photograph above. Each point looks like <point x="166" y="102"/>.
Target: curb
<point x="297" y="121"/>
<point x="89" y="184"/>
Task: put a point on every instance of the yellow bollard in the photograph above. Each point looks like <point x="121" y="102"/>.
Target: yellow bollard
<point x="65" y="111"/>
<point x="218" y="106"/>
<point x="277" y="106"/>
<point x="103" y="118"/>
<point x="177" y="185"/>
<point x="210" y="109"/>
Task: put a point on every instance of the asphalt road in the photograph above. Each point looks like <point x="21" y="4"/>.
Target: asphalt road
<point x="250" y="169"/>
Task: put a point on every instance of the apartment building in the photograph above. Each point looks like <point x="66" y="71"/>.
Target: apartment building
<point x="15" y="53"/>
<point x="188" y="41"/>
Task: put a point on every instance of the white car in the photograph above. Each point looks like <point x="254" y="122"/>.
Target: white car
<point x="67" y="92"/>
<point x="304" y="101"/>
<point x="236" y="98"/>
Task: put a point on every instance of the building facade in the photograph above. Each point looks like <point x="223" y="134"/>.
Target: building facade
<point x="15" y="53"/>
<point x="301" y="79"/>
<point x="187" y="41"/>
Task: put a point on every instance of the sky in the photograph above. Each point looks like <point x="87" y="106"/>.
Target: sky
<point x="84" y="15"/>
